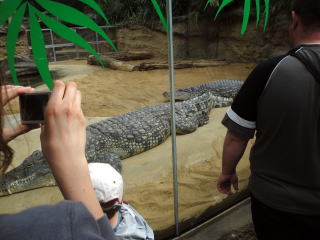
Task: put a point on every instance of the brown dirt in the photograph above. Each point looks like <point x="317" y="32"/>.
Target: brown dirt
<point x="108" y="92"/>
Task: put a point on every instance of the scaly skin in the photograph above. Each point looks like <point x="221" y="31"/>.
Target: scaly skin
<point x="117" y="138"/>
<point x="221" y="88"/>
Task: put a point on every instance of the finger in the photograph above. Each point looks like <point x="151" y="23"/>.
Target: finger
<point x="77" y="100"/>
<point x="70" y="93"/>
<point x="227" y="190"/>
<point x="7" y="87"/>
<point x="57" y="93"/>
<point x="219" y="188"/>
<point x="223" y="188"/>
<point x="42" y="131"/>
<point x="235" y="185"/>
<point x="12" y="92"/>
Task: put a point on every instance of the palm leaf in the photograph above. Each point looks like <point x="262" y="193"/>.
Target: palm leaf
<point x="7" y="8"/>
<point x="66" y="33"/>
<point x="246" y="14"/>
<point x="258" y="11"/>
<point x="266" y="19"/>
<point x="223" y="4"/>
<point x="38" y="48"/>
<point x="161" y="16"/>
<point x="207" y="4"/>
<point x="96" y="7"/>
<point x="71" y="15"/>
<point x="13" y="32"/>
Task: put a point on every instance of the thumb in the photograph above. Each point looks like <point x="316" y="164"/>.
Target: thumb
<point x="11" y="133"/>
<point x="235" y="183"/>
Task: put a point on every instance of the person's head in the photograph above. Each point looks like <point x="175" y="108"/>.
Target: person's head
<point x="6" y="153"/>
<point x="305" y="25"/>
<point x="108" y="185"/>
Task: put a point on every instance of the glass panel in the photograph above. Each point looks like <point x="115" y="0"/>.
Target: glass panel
<point x="207" y="55"/>
<point x="126" y="94"/>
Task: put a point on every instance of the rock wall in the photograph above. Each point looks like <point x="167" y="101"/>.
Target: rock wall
<point x="208" y="39"/>
<point x="219" y="39"/>
<point x="256" y="44"/>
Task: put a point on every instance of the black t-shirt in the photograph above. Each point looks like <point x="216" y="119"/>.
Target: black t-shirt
<point x="242" y="116"/>
<point x="280" y="101"/>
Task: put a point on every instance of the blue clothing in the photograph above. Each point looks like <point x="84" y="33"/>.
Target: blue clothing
<point x="132" y="225"/>
<point x="64" y="221"/>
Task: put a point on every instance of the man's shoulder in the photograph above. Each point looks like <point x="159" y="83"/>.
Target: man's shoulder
<point x="271" y="63"/>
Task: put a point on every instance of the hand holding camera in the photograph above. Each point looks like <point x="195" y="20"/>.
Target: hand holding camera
<point x="9" y="92"/>
<point x="63" y="139"/>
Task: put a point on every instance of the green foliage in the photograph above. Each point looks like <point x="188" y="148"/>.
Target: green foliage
<point x="142" y="11"/>
<point x="118" y="11"/>
<point x="17" y="9"/>
<point x="13" y="33"/>
<point x="159" y="12"/>
<point x="246" y="12"/>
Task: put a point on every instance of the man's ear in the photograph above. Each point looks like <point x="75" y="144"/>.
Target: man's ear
<point x="295" y="20"/>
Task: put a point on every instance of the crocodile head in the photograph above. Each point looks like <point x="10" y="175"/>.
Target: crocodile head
<point x="33" y="173"/>
<point x="180" y="95"/>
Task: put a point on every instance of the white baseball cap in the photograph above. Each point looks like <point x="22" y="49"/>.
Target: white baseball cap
<point x="106" y="181"/>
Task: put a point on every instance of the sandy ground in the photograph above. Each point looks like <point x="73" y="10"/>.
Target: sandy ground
<point x="108" y="92"/>
<point x="147" y="176"/>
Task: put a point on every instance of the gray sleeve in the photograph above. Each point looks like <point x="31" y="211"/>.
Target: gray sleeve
<point x="105" y="228"/>
<point x="64" y="221"/>
<point x="84" y="226"/>
<point x="236" y="129"/>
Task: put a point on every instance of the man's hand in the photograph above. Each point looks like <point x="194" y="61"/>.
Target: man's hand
<point x="225" y="181"/>
<point x="233" y="149"/>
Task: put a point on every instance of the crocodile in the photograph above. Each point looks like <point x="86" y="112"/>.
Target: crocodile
<point x="117" y="138"/>
<point x="222" y="88"/>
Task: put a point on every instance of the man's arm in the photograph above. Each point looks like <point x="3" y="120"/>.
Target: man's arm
<point x="233" y="149"/>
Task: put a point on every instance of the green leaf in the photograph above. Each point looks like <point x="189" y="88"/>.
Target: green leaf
<point x="258" y="11"/>
<point x="246" y="14"/>
<point x="161" y="16"/>
<point x="38" y="48"/>
<point x="223" y="4"/>
<point x="266" y="19"/>
<point x="207" y="4"/>
<point x="13" y="32"/>
<point x="7" y="8"/>
<point x="66" y="33"/>
<point x="96" y="7"/>
<point x="71" y="15"/>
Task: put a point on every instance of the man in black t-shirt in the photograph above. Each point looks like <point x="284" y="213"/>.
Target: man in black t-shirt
<point x="280" y="101"/>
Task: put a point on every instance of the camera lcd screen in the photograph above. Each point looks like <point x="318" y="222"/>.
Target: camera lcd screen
<point x="32" y="106"/>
